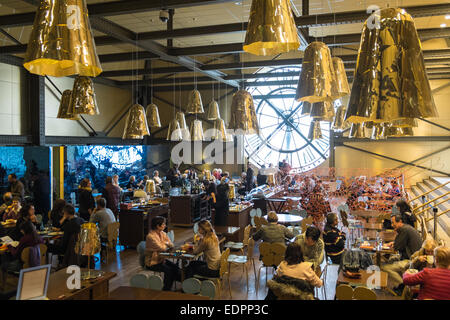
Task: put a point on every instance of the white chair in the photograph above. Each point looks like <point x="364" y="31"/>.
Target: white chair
<point x="252" y="217"/>
<point x="155" y="282"/>
<point x="140" y="280"/>
<point x="242" y="260"/>
<point x="171" y="236"/>
<point x="191" y="285"/>
<point x="195" y="228"/>
<point x="258" y="212"/>
<point x="208" y="289"/>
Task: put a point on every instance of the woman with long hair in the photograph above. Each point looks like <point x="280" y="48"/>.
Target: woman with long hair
<point x="209" y="245"/>
<point x="56" y="214"/>
<point x="406" y="212"/>
<point x="26" y="213"/>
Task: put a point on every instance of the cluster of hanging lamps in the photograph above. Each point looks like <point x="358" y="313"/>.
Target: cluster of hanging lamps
<point x="61" y="41"/>
<point x="390" y="86"/>
<point x="271" y="28"/>
<point x="243" y="114"/>
<point x="136" y="123"/>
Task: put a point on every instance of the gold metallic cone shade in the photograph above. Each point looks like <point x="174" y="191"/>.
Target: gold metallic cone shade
<point x="65" y="107"/>
<point x="88" y="242"/>
<point x="378" y="132"/>
<point x="220" y="132"/>
<point x="357" y="131"/>
<point x="83" y="97"/>
<point x="174" y="131"/>
<point x="339" y="123"/>
<point x="61" y="42"/>
<point x="399" y="132"/>
<point x="343" y="88"/>
<point x="404" y="123"/>
<point x="196" y="130"/>
<point x="368" y="124"/>
<point x="136" y="123"/>
<point x="390" y="81"/>
<point x="195" y="104"/>
<point x="183" y="126"/>
<point x="213" y="110"/>
<point x="317" y="80"/>
<point x="323" y="111"/>
<point x="243" y="114"/>
<point x="153" y="116"/>
<point x="306" y="108"/>
<point x="315" y="132"/>
<point x="271" y="28"/>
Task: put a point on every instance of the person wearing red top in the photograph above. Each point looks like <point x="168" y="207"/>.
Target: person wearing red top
<point x="434" y="283"/>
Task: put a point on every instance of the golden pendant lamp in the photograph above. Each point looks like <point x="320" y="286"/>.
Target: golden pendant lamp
<point x="317" y="81"/>
<point x="271" y="28"/>
<point x="243" y="114"/>
<point x="61" y="42"/>
<point x="136" y="123"/>
<point x="174" y="132"/>
<point x="343" y="88"/>
<point x="220" y="131"/>
<point x="357" y="131"/>
<point x="83" y="97"/>
<point x="195" y="104"/>
<point x="152" y="115"/>
<point x="315" y="132"/>
<point x="213" y="111"/>
<point x="197" y="130"/>
<point x="306" y="108"/>
<point x="184" y="130"/>
<point x="323" y="111"/>
<point x="378" y="131"/>
<point x="339" y="123"/>
<point x="390" y="81"/>
<point x="65" y="107"/>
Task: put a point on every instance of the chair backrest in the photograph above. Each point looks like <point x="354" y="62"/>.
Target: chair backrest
<point x="250" y="248"/>
<point x="26" y="258"/>
<point x="364" y="293"/>
<point x="258" y="223"/>
<point x="208" y="289"/>
<point x="171" y="235"/>
<point x="191" y="285"/>
<point x="344" y="292"/>
<point x="305" y="223"/>
<point x="155" y="282"/>
<point x="278" y="250"/>
<point x="246" y="234"/>
<point x="259" y="212"/>
<point x="266" y="254"/>
<point x="264" y="222"/>
<point x="113" y="233"/>
<point x="141" y="251"/>
<point x="224" y="262"/>
<point x="140" y="280"/>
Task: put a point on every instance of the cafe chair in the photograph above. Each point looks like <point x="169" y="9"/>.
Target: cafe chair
<point x="364" y="293"/>
<point x="240" y="245"/>
<point x="155" y="282"/>
<point x="222" y="272"/>
<point x="243" y="260"/>
<point x="258" y="212"/>
<point x="208" y="289"/>
<point x="191" y="286"/>
<point x="306" y="223"/>
<point x="195" y="228"/>
<point x="171" y="235"/>
<point x="271" y="254"/>
<point x="344" y="292"/>
<point x="252" y="216"/>
<point x="26" y="256"/>
<point x="140" y="280"/>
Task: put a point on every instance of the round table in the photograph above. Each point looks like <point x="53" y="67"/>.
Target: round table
<point x="288" y="219"/>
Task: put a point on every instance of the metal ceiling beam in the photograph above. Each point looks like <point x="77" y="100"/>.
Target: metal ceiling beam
<point x="341" y="140"/>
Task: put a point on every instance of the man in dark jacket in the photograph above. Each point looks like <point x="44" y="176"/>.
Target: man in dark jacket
<point x="334" y="239"/>
<point x="16" y="187"/>
<point x="112" y="196"/>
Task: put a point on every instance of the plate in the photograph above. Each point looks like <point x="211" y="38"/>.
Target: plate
<point x="56" y="233"/>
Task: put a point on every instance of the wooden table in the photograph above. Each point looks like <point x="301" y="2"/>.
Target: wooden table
<point x="131" y="293"/>
<point x="287" y="219"/>
<point x="276" y="204"/>
<point x="363" y="280"/>
<point x="184" y="258"/>
<point x="378" y="252"/>
<point x="90" y="289"/>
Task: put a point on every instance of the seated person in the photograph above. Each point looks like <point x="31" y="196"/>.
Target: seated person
<point x="132" y="184"/>
<point x="12" y="212"/>
<point x="26" y="213"/>
<point x="12" y="261"/>
<point x="209" y="245"/>
<point x="405" y="211"/>
<point x="56" y="214"/>
<point x="434" y="283"/>
<point x="312" y="246"/>
<point x="421" y="259"/>
<point x="273" y="232"/>
<point x="7" y="201"/>
<point x="294" y="267"/>
<point x="71" y="225"/>
<point x="407" y="241"/>
<point x="334" y="239"/>
<point x="140" y="193"/>
<point x="103" y="216"/>
<point x="157" y="241"/>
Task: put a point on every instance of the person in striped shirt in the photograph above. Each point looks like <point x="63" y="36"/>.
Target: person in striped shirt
<point x="334" y="239"/>
<point x="434" y="282"/>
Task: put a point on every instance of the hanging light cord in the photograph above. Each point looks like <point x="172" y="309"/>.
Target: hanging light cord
<point x="151" y="82"/>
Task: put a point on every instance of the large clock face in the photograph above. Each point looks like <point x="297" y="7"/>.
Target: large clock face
<point x="283" y="128"/>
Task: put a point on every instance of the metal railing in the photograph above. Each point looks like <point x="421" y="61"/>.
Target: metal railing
<point x="429" y="191"/>
<point x="438" y="215"/>
<point x="428" y="202"/>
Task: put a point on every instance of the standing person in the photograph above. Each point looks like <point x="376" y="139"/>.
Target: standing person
<point x="112" y="196"/>
<point x="261" y="177"/>
<point x="172" y="175"/>
<point x="41" y="194"/>
<point x="56" y="214"/>
<point x="434" y="282"/>
<point x="406" y="212"/>
<point x="85" y="199"/>
<point x="334" y="239"/>
<point x="103" y="216"/>
<point x="209" y="245"/>
<point x="222" y="204"/>
<point x="157" y="241"/>
<point x="249" y="182"/>
<point x="16" y="187"/>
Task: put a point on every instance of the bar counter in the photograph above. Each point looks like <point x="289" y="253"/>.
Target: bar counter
<point x="185" y="210"/>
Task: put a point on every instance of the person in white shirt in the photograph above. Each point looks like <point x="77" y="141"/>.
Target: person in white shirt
<point x="140" y="193"/>
<point x="103" y="216"/>
<point x="156" y="177"/>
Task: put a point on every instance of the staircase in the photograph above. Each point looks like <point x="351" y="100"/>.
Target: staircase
<point x="443" y="225"/>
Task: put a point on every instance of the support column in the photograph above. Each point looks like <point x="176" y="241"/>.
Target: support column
<point x="36" y="104"/>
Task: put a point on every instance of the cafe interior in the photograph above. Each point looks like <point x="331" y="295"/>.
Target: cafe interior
<point x="224" y="150"/>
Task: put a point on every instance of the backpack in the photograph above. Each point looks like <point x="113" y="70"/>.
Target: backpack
<point x="354" y="260"/>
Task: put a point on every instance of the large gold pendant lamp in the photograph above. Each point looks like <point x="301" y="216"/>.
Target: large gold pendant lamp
<point x="317" y="81"/>
<point x="153" y="116"/>
<point x="271" y="28"/>
<point x="66" y="108"/>
<point x="213" y="111"/>
<point x="220" y="131"/>
<point x="390" y="81"/>
<point x="195" y="104"/>
<point x="243" y="114"/>
<point x="343" y="88"/>
<point x="83" y="97"/>
<point x="136" y="123"/>
<point x="306" y="108"/>
<point x="61" y="42"/>
<point x="184" y="130"/>
<point x="323" y="111"/>
<point x="339" y="123"/>
<point x="197" y="130"/>
<point x="315" y="132"/>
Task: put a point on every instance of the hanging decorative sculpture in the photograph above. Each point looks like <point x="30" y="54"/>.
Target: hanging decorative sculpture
<point x="315" y="132"/>
<point x="153" y="116"/>
<point x="195" y="104"/>
<point x="65" y="107"/>
<point x="136" y="123"/>
<point x="213" y="111"/>
<point x="83" y="97"/>
<point x="243" y="114"/>
<point x="197" y="131"/>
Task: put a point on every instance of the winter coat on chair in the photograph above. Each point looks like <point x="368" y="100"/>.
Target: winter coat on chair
<point x="287" y="288"/>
